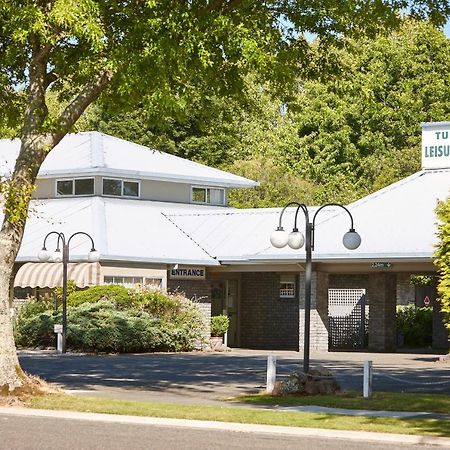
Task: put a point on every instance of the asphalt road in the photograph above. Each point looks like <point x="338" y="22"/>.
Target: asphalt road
<point x="36" y="433"/>
<point x="206" y="378"/>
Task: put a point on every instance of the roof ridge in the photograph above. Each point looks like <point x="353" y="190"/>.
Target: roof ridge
<point x="188" y="236"/>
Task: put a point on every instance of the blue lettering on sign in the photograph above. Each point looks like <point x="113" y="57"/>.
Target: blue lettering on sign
<point x="443" y="133"/>
<point x="437" y="151"/>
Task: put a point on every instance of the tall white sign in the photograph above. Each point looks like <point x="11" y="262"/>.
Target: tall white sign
<point x="436" y="145"/>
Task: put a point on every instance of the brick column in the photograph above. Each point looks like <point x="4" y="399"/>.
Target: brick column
<point x="319" y="312"/>
<point x="382" y="298"/>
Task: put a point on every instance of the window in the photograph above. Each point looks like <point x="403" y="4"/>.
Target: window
<point x="132" y="282"/>
<point x="209" y="196"/>
<point x="119" y="188"/>
<point x="77" y="186"/>
<point x="287" y="286"/>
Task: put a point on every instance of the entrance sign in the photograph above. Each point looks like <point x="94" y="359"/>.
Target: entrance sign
<point x="188" y="273"/>
<point x="435" y="145"/>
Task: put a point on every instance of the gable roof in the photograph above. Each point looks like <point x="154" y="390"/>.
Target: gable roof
<point x="93" y="153"/>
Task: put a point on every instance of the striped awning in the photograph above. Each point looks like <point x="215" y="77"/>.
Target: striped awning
<point x="50" y="274"/>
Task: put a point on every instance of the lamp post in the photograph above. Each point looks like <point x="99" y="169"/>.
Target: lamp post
<point x="295" y="240"/>
<point x="44" y="255"/>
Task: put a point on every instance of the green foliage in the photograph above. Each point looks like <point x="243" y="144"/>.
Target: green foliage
<point x="442" y="260"/>
<point x="114" y="293"/>
<point x="421" y="280"/>
<point x="416" y="325"/>
<point x="219" y="325"/>
<point x="34" y="324"/>
<point x="115" y="320"/>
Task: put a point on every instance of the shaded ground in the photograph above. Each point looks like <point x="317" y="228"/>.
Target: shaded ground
<point x="208" y="378"/>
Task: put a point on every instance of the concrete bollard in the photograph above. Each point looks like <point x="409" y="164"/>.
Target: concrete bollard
<point x="271" y="373"/>
<point x="367" y="380"/>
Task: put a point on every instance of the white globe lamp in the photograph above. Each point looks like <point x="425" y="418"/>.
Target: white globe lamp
<point x="279" y="238"/>
<point x="351" y="239"/>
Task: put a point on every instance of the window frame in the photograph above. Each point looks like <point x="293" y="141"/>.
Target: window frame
<point x="208" y="195"/>
<point x="73" y="187"/>
<point x="122" y="181"/>
<point x="287" y="280"/>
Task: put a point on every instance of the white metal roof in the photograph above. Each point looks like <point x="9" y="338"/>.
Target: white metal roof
<point x="123" y="230"/>
<point x="398" y="222"/>
<point x="97" y="153"/>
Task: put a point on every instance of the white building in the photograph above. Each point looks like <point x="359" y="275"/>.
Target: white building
<point x="159" y="219"/>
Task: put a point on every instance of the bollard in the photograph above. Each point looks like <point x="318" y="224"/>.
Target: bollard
<point x="58" y="329"/>
<point x="271" y="373"/>
<point x="367" y="380"/>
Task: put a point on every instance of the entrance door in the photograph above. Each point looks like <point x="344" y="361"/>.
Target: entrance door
<point x="225" y="300"/>
<point x="231" y="310"/>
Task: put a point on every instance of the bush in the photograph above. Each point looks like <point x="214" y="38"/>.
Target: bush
<point x="34" y="324"/>
<point x="111" y="292"/>
<point x="219" y="325"/>
<point x="142" y="321"/>
<point x="416" y="325"/>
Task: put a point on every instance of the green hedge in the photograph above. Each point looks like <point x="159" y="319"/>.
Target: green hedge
<point x="135" y="322"/>
<point x="114" y="293"/>
<point x="416" y="325"/>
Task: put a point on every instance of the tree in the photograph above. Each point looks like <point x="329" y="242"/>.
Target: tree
<point x="147" y="50"/>
<point x="359" y="120"/>
<point x="443" y="260"/>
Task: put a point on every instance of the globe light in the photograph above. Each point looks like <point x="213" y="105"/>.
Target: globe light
<point x="94" y="256"/>
<point x="279" y="238"/>
<point x="351" y="240"/>
<point x="57" y="256"/>
<point x="296" y="239"/>
<point x="44" y="255"/>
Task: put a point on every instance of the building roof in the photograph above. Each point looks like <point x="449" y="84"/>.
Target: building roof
<point x="123" y="230"/>
<point x="397" y="222"/>
<point x="96" y="153"/>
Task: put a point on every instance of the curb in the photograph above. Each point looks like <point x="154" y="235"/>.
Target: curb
<point x="228" y="426"/>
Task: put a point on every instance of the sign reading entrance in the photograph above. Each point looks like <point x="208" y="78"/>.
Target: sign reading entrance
<point x="188" y="273"/>
<point x="436" y="145"/>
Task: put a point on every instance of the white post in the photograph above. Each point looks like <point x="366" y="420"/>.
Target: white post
<point x="59" y="342"/>
<point x="367" y="381"/>
<point x="271" y="373"/>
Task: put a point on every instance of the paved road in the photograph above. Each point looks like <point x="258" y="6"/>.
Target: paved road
<point x="36" y="433"/>
<point x="206" y="378"/>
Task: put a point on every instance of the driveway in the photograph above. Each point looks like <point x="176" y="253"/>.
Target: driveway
<point x="210" y="377"/>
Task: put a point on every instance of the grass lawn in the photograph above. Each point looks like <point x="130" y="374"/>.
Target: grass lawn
<point x="240" y="415"/>
<point x="382" y="401"/>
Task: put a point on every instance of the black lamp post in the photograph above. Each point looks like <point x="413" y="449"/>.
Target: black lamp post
<point x="44" y="255"/>
<point x="280" y="238"/>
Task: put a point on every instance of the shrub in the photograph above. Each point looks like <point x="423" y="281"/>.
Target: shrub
<point x="416" y="325"/>
<point x="146" y="322"/>
<point x="111" y="292"/>
<point x="34" y="324"/>
<point x="219" y="325"/>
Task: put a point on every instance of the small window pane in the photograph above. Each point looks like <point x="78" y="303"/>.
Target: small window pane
<point x="112" y="187"/>
<point x="287" y="290"/>
<point x="199" y="195"/>
<point x="131" y="189"/>
<point x="84" y="186"/>
<point x="64" y="187"/>
<point x="217" y="196"/>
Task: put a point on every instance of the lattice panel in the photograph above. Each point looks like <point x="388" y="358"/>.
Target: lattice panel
<point x="348" y="319"/>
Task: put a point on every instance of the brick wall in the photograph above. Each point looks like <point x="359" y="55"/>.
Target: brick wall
<point x="267" y="322"/>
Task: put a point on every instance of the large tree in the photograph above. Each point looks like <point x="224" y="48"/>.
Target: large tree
<point x="150" y="50"/>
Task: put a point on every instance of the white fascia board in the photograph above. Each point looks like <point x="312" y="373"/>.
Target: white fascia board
<point x="244" y="183"/>
<point x="376" y="257"/>
<point x="434" y="124"/>
<point x="133" y="259"/>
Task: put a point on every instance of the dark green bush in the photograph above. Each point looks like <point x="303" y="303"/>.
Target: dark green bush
<point x="111" y="292"/>
<point x="34" y="324"/>
<point x="147" y="321"/>
<point x="416" y="325"/>
<point x="219" y="325"/>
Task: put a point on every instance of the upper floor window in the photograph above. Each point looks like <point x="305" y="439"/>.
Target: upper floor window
<point x="209" y="196"/>
<point x="77" y="186"/>
<point x="120" y="188"/>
